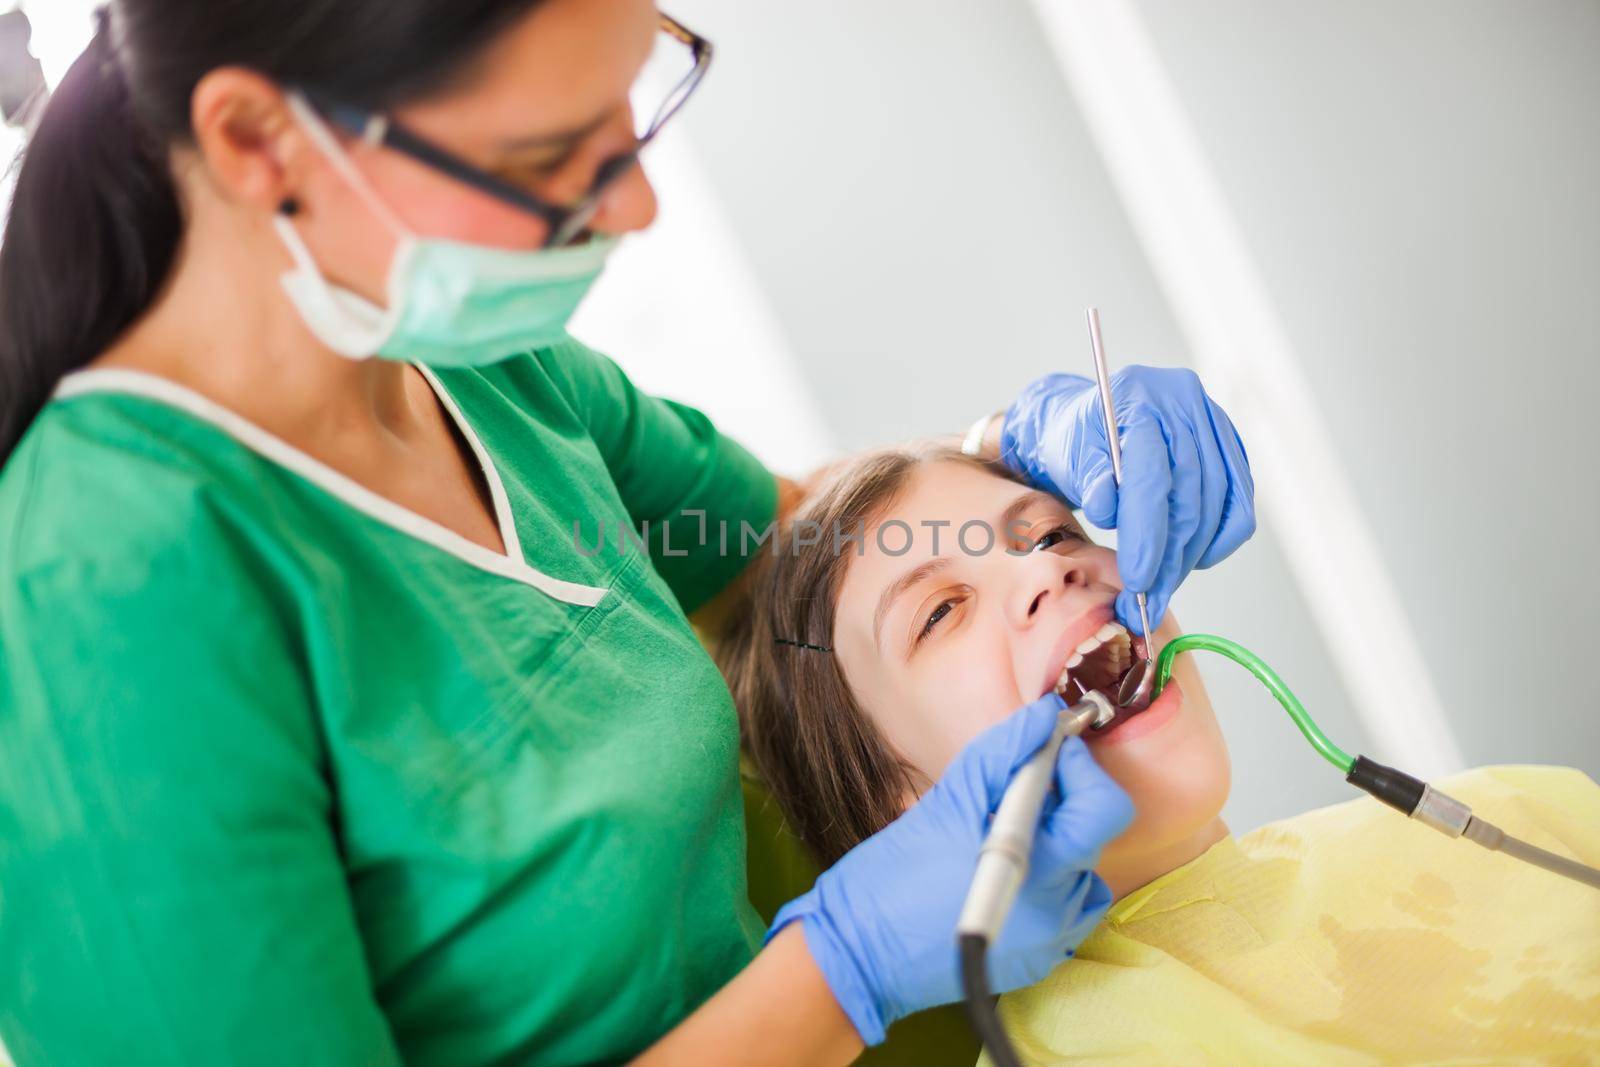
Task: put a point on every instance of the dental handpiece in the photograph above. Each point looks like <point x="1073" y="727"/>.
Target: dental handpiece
<point x="1003" y="857"/>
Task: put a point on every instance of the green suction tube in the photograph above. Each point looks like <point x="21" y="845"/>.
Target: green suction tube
<point x="1264" y="674"/>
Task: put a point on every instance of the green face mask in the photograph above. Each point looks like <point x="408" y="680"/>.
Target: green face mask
<point x="450" y="304"/>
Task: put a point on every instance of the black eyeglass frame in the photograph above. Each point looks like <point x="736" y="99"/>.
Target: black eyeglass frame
<point x="565" y="221"/>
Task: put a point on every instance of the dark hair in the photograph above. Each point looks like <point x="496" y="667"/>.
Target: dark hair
<point x="830" y="769"/>
<point x="95" y="220"/>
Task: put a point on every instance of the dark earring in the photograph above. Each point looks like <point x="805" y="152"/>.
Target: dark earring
<point x="290" y="207"/>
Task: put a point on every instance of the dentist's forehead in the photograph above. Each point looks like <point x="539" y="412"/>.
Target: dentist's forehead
<point x="560" y="70"/>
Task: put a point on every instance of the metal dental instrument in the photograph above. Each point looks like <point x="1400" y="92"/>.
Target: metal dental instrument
<point x="1135" y="690"/>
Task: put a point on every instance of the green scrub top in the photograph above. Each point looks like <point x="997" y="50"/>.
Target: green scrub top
<point x="289" y="774"/>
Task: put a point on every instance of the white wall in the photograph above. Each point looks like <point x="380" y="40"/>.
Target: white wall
<point x="1420" y="181"/>
<point x="682" y="310"/>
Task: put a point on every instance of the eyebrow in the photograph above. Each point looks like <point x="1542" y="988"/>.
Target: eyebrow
<point x="1019" y="507"/>
<point x="1013" y="511"/>
<point x="900" y="585"/>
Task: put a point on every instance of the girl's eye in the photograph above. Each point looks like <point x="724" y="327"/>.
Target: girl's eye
<point x="945" y="607"/>
<point x="1056" y="536"/>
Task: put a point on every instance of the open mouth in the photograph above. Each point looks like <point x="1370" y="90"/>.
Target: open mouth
<point x="1098" y="663"/>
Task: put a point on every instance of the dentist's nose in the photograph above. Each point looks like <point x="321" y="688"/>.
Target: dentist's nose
<point x="627" y="205"/>
<point x="1041" y="577"/>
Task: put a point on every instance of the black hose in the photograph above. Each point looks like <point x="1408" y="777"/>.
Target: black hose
<point x="982" y="1008"/>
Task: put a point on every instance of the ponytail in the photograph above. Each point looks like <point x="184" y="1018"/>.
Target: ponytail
<point x="95" y="221"/>
<point x="92" y="231"/>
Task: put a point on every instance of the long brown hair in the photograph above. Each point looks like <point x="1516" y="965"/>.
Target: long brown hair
<point x="829" y="767"/>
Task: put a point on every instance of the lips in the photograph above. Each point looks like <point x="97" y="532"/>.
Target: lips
<point x="1131" y="725"/>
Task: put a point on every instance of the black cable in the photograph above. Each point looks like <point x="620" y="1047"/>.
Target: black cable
<point x="982" y="1006"/>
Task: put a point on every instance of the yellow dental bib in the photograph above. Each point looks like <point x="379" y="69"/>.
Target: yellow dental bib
<point x="1346" y="935"/>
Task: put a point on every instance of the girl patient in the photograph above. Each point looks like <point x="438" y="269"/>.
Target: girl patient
<point x="919" y="597"/>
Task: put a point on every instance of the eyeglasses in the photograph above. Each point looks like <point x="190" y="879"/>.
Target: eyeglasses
<point x="679" y="62"/>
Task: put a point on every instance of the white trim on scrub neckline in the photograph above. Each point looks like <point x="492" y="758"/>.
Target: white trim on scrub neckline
<point x="274" y="449"/>
<point x="491" y="474"/>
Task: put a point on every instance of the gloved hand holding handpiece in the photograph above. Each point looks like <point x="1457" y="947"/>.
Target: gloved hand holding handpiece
<point x="881" y="922"/>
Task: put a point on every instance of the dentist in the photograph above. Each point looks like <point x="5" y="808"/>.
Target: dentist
<point x="320" y="740"/>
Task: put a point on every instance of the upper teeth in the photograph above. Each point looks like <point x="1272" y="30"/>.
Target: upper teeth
<point x="1088" y="645"/>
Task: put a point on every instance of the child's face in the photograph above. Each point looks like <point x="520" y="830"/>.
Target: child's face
<point x="977" y="634"/>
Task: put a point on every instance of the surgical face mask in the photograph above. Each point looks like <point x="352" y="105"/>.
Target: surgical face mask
<point x="450" y="304"/>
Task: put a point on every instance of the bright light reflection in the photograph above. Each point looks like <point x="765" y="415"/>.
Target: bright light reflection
<point x="61" y="30"/>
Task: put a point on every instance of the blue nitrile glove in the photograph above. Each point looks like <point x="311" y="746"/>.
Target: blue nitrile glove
<point x="881" y="923"/>
<point x="1187" y="497"/>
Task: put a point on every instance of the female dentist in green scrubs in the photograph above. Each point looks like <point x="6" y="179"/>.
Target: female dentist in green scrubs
<point x="325" y="735"/>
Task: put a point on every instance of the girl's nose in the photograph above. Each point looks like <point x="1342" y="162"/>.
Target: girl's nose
<point x="1041" y="577"/>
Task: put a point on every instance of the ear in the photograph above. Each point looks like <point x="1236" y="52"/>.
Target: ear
<point x="251" y="146"/>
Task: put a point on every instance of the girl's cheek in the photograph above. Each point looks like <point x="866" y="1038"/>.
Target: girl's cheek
<point x="961" y="703"/>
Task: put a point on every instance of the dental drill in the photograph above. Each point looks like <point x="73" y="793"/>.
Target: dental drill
<point x="1003" y="866"/>
<point x="1003" y="858"/>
